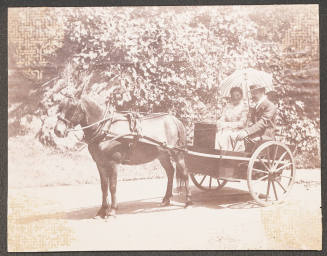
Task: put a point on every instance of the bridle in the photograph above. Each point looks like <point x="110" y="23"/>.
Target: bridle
<point x="61" y="118"/>
<point x="100" y="123"/>
<point x="73" y="117"/>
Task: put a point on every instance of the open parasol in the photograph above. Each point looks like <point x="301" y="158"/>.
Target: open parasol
<point x="243" y="79"/>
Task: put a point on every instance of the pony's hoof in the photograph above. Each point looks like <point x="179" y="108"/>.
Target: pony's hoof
<point x="102" y="213"/>
<point x="188" y="205"/>
<point x="97" y="217"/>
<point x="165" y="203"/>
<point x="111" y="213"/>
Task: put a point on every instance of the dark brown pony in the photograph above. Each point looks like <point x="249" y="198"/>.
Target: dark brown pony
<point x="108" y="153"/>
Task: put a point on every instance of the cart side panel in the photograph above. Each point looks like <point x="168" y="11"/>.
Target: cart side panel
<point x="217" y="167"/>
<point x="203" y="165"/>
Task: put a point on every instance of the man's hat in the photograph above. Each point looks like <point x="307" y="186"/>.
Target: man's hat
<point x="255" y="87"/>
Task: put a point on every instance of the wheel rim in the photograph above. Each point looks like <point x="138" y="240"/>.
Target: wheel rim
<point x="271" y="173"/>
<point x="207" y="182"/>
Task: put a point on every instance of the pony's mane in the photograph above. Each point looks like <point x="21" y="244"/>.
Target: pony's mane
<point x="66" y="103"/>
<point x="93" y="110"/>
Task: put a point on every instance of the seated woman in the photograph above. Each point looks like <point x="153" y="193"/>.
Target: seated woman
<point x="233" y="119"/>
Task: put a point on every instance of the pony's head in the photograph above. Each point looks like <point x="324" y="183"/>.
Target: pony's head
<point x="70" y="114"/>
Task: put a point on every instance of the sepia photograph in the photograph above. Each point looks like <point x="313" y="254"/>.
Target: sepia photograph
<point x="164" y="128"/>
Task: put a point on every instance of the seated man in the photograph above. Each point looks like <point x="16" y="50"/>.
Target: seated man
<point x="262" y="117"/>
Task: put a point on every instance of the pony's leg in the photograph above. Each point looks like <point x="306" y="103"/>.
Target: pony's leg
<point x="104" y="187"/>
<point x="112" y="186"/>
<point x="182" y="169"/>
<point x="169" y="168"/>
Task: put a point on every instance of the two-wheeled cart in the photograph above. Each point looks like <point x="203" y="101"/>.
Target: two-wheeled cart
<point x="267" y="166"/>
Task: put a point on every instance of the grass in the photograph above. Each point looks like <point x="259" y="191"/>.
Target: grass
<point x="31" y="164"/>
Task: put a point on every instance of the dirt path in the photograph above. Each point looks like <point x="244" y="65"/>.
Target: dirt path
<point x="60" y="218"/>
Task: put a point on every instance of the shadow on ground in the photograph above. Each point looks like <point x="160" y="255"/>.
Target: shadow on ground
<point x="227" y="198"/>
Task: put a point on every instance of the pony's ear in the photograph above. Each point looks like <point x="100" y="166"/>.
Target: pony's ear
<point x="67" y="95"/>
<point x="78" y="95"/>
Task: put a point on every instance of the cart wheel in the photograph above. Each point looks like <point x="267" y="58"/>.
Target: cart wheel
<point x="206" y="182"/>
<point x="271" y="173"/>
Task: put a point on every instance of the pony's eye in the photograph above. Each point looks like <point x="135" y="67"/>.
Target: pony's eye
<point x="69" y="112"/>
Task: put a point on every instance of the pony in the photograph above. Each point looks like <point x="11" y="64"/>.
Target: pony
<point x="109" y="152"/>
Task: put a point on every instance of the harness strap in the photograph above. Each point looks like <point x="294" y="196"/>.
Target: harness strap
<point x="88" y="126"/>
<point x="135" y="132"/>
<point x="134" y="122"/>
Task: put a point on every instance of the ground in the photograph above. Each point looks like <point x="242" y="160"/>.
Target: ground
<point x="59" y="218"/>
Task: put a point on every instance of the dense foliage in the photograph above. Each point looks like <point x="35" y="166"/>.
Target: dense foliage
<point x="168" y="59"/>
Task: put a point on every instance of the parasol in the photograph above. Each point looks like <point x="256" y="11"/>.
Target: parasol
<point x="243" y="79"/>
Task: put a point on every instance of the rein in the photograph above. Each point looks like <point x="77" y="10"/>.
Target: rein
<point x="88" y="126"/>
<point x="96" y="133"/>
<point x="105" y="118"/>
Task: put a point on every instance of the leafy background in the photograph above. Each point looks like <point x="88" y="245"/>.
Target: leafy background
<point x="163" y="59"/>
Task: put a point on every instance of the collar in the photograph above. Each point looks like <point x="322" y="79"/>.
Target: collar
<point x="260" y="101"/>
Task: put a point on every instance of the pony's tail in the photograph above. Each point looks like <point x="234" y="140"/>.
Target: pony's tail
<point x="182" y="144"/>
<point x="182" y="139"/>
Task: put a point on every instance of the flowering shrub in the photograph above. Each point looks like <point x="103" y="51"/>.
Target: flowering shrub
<point x="166" y="59"/>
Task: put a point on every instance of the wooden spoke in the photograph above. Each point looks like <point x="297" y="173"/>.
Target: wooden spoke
<point x="268" y="188"/>
<point x="280" y="159"/>
<point x="281" y="185"/>
<point x="264" y="164"/>
<point x="282" y="167"/>
<point x="268" y="157"/>
<point x="210" y="182"/>
<point x="257" y="170"/>
<point x="260" y="179"/>
<point x="199" y="180"/>
<point x="273" y="185"/>
<point x="275" y="154"/>
<point x="203" y="179"/>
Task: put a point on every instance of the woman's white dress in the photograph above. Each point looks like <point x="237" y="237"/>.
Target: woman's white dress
<point x="233" y="119"/>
